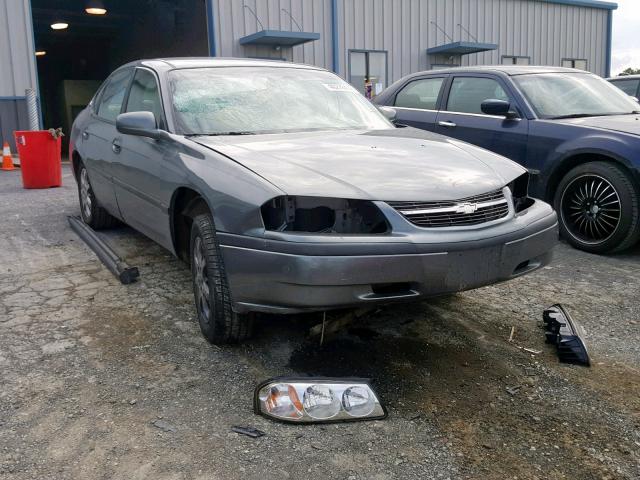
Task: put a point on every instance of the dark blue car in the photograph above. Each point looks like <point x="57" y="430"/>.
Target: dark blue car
<point x="578" y="136"/>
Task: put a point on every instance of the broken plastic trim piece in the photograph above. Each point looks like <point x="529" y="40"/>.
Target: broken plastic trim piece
<point x="248" y="431"/>
<point x="107" y="256"/>
<point x="563" y="332"/>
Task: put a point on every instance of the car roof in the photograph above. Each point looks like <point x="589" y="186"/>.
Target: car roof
<point x="203" y="62"/>
<point x="510" y="70"/>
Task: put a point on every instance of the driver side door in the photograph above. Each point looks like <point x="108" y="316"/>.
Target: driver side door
<point x="461" y="116"/>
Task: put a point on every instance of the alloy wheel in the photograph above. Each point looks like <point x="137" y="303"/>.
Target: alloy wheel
<point x="201" y="282"/>
<point x="591" y="209"/>
<point x="85" y="194"/>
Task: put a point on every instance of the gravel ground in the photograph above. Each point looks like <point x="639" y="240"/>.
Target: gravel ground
<point x="101" y="380"/>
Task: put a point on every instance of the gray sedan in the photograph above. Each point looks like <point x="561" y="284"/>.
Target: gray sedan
<point x="287" y="191"/>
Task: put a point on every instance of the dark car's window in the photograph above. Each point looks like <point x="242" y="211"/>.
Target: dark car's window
<point x="630" y="86"/>
<point x="468" y="93"/>
<point x="113" y="95"/>
<point x="144" y="95"/>
<point x="421" y="94"/>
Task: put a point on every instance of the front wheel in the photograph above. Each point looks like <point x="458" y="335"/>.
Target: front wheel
<point x="598" y="207"/>
<point x="218" y="322"/>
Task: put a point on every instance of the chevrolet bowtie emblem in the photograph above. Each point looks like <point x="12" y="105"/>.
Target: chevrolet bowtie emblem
<point x="466" y="207"/>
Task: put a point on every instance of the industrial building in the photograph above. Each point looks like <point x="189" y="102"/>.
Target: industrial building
<point x="64" y="49"/>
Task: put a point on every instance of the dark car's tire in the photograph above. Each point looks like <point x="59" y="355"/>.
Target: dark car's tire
<point x="92" y="213"/>
<point x="218" y="322"/>
<point x="599" y="208"/>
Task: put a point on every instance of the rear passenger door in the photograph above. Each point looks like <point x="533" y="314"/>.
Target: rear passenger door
<point x="99" y="135"/>
<point x="416" y="103"/>
<point x="461" y="116"/>
<point x="143" y="169"/>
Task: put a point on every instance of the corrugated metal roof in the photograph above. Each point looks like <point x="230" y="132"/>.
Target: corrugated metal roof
<point x="584" y="3"/>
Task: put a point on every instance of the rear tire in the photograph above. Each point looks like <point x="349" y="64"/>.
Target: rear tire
<point x="92" y="213"/>
<point x="599" y="208"/>
<point x="218" y="322"/>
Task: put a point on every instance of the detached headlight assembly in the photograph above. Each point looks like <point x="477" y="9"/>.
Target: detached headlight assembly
<point x="317" y="400"/>
<point x="323" y="215"/>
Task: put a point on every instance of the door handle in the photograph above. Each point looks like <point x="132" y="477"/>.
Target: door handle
<point x="447" y="124"/>
<point x="115" y="146"/>
<point x="85" y="135"/>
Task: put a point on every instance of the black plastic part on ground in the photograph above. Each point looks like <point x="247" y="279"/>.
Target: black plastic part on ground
<point x="562" y="331"/>
<point x="107" y="256"/>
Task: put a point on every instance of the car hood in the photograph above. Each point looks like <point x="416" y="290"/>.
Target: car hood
<point x="617" y="123"/>
<point x="393" y="164"/>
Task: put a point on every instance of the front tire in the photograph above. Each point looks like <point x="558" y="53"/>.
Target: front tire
<point x="90" y="210"/>
<point x="599" y="208"/>
<point x="218" y="322"/>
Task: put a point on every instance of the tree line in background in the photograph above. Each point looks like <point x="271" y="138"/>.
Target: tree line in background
<point x="629" y="71"/>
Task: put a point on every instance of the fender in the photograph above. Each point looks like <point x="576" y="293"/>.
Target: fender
<point x="582" y="149"/>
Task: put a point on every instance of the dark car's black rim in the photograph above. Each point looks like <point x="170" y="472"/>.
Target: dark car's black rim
<point x="591" y="209"/>
<point x="201" y="282"/>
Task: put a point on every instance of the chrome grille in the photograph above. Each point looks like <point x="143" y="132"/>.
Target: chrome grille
<point x="455" y="213"/>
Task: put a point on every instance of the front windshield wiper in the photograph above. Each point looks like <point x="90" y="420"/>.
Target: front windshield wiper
<point x="216" y="134"/>
<point x="583" y="115"/>
<point x="574" y="115"/>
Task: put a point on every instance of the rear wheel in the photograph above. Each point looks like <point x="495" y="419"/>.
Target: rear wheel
<point x="218" y="322"/>
<point x="599" y="207"/>
<point x="92" y="213"/>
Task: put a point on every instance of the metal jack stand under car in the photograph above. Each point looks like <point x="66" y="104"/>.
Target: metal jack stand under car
<point x="107" y="256"/>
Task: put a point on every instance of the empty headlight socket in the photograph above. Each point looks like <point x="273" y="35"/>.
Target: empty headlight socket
<point x="520" y="193"/>
<point x="323" y="215"/>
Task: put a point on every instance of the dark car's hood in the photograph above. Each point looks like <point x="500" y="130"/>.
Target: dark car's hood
<point x="393" y="164"/>
<point x="617" y="123"/>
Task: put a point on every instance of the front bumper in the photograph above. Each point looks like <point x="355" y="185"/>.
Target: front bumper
<point x="278" y="276"/>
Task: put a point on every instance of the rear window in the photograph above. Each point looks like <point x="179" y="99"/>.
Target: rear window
<point x="113" y="95"/>
<point x="422" y="94"/>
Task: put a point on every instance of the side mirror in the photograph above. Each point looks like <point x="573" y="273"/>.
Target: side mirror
<point x="389" y="112"/>
<point x="635" y="99"/>
<point x="499" y="108"/>
<point x="142" y="124"/>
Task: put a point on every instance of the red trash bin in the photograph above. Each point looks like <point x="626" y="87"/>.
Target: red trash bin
<point x="40" y="161"/>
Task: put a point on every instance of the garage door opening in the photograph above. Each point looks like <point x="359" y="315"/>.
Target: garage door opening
<point x="79" y="42"/>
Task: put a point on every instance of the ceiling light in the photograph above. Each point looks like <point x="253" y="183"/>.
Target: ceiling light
<point x="95" y="7"/>
<point x="41" y="53"/>
<point x="59" y="25"/>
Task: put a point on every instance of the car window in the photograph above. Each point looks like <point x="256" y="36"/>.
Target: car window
<point x="144" y="95"/>
<point x="468" y="93"/>
<point x="113" y="95"/>
<point x="421" y="94"/>
<point x="630" y="86"/>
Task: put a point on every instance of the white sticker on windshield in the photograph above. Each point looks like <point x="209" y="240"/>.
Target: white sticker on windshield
<point x="337" y="87"/>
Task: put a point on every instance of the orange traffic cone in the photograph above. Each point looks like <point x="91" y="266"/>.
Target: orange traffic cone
<point x="7" y="161"/>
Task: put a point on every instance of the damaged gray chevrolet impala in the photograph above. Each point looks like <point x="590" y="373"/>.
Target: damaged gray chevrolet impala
<point x="287" y="191"/>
